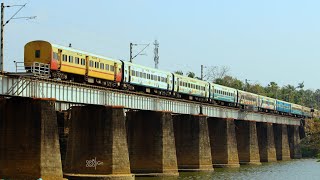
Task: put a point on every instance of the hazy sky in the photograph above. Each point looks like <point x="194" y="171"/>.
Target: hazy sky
<point x="263" y="41"/>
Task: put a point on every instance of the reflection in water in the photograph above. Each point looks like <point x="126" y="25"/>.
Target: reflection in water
<point x="294" y="169"/>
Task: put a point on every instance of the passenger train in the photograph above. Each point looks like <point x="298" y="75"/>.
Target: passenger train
<point x="70" y="64"/>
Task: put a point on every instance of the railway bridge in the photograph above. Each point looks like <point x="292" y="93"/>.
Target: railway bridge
<point x="54" y="129"/>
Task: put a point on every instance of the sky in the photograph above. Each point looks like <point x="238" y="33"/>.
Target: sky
<point x="262" y="41"/>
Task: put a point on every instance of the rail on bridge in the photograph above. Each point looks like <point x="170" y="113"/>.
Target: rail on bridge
<point x="68" y="94"/>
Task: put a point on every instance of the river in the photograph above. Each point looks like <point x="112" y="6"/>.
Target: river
<point x="304" y="169"/>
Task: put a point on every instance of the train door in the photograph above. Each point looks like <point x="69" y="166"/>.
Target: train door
<point x="168" y="82"/>
<point x="117" y="72"/>
<point x="177" y="84"/>
<point x="59" y="58"/>
<point x="87" y="68"/>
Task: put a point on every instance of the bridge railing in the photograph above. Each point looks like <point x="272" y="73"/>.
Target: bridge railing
<point x="35" y="68"/>
<point x="69" y="94"/>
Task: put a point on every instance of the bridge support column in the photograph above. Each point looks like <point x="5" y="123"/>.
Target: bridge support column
<point x="294" y="142"/>
<point x="247" y="142"/>
<point x="151" y="142"/>
<point x="267" y="148"/>
<point x="223" y="142"/>
<point x="192" y="143"/>
<point x="281" y="141"/>
<point x="29" y="142"/>
<point x="97" y="146"/>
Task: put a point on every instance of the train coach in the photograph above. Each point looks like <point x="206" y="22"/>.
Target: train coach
<point x="190" y="88"/>
<point x="72" y="64"/>
<point x="247" y="100"/>
<point x="146" y="79"/>
<point x="223" y="95"/>
<point x="266" y="104"/>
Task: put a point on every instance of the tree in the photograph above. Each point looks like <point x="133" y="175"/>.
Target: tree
<point x="230" y="82"/>
<point x="257" y="89"/>
<point x="301" y="85"/>
<point x="191" y="74"/>
<point x="272" y="90"/>
<point x="179" y="72"/>
<point x="214" y="72"/>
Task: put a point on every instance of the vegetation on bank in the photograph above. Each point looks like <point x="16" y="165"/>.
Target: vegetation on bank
<point x="310" y="145"/>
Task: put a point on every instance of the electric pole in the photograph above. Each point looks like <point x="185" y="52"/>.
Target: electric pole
<point x="2" y="28"/>
<point x="131" y="52"/>
<point x="1" y="54"/>
<point x="156" y="54"/>
<point x="202" y="80"/>
<point x="139" y="53"/>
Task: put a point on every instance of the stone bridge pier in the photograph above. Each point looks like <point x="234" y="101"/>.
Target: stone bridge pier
<point x="192" y="143"/>
<point x="97" y="146"/>
<point x="151" y="141"/>
<point x="267" y="150"/>
<point x="281" y="141"/>
<point x="223" y="142"/>
<point x="247" y="142"/>
<point x="29" y="141"/>
<point x="294" y="142"/>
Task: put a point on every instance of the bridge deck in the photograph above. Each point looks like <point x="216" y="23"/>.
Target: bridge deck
<point x="69" y="94"/>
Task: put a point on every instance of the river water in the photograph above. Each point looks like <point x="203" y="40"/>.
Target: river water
<point x="304" y="169"/>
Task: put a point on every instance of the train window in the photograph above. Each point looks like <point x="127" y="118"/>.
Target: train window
<point x="133" y="73"/>
<point x="144" y="75"/>
<point x="151" y="77"/>
<point x="111" y="68"/>
<point x="91" y="63"/>
<point x="37" y="54"/>
<point x="83" y="61"/>
<point x="96" y="64"/>
<point x="76" y="60"/>
<point x="148" y="76"/>
<point x="55" y="55"/>
<point x="64" y="58"/>
<point x="162" y="79"/>
<point x="159" y="78"/>
<point x="101" y="66"/>
<point x="107" y="67"/>
<point x="70" y="59"/>
<point x="141" y="74"/>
